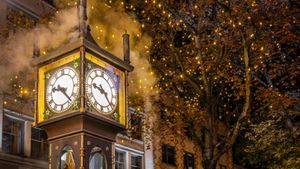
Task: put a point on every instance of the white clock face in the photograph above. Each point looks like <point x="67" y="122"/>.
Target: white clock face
<point x="62" y="89"/>
<point x="101" y="91"/>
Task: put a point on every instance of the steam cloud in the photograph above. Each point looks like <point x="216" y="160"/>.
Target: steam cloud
<point x="108" y="24"/>
<point x="17" y="49"/>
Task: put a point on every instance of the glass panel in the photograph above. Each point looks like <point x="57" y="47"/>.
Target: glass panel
<point x="35" y="149"/>
<point x="12" y="140"/>
<point x="188" y="161"/>
<point x="136" y="162"/>
<point x="67" y="160"/>
<point x="168" y="154"/>
<point x="96" y="161"/>
<point x="171" y="155"/>
<point x="120" y="161"/>
<point x="164" y="153"/>
<point x="39" y="145"/>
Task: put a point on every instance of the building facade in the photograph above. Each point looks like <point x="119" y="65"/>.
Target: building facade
<point x="172" y="151"/>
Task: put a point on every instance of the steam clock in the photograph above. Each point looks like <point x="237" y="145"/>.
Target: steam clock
<point x="81" y="100"/>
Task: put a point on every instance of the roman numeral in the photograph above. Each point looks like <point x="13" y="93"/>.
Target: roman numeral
<point x="51" y="101"/>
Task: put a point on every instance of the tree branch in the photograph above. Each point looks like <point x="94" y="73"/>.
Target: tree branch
<point x="189" y="79"/>
<point x="178" y="17"/>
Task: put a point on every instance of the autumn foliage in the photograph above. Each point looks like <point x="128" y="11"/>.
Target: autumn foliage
<point x="231" y="61"/>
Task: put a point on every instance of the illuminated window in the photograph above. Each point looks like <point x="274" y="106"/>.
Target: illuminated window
<point x="67" y="158"/>
<point x="97" y="159"/>
<point x="120" y="160"/>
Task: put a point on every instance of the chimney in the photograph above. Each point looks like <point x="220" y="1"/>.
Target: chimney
<point x="126" y="47"/>
<point x="82" y="17"/>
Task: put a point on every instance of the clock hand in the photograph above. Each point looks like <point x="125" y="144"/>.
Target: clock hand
<point x="102" y="91"/>
<point x="105" y="94"/>
<point x="62" y="90"/>
<point x="54" y="89"/>
<point x="99" y="88"/>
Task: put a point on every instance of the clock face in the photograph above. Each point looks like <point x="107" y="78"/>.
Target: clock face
<point x="101" y="91"/>
<point x="62" y="89"/>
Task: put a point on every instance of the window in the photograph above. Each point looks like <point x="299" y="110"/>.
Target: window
<point x="120" y="160"/>
<point x="188" y="161"/>
<point x="97" y="159"/>
<point x="168" y="154"/>
<point x="67" y="158"/>
<point x="128" y="158"/>
<point x="136" y="162"/>
<point x="39" y="145"/>
<point x="13" y="135"/>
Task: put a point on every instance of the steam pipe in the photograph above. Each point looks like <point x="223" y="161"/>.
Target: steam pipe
<point x="126" y="47"/>
<point x="82" y="17"/>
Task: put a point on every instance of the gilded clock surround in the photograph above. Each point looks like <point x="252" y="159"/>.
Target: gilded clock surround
<point x="73" y="60"/>
<point x="62" y="89"/>
<point x="102" y="90"/>
<point x="44" y="74"/>
<point x="117" y="115"/>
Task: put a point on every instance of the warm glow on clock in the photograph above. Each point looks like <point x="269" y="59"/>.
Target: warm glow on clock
<point x="101" y="90"/>
<point x="121" y="87"/>
<point x="41" y="84"/>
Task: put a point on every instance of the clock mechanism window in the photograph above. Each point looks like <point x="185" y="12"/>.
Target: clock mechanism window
<point x="62" y="89"/>
<point x="102" y="90"/>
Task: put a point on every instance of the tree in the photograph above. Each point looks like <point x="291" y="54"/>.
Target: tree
<point x="222" y="61"/>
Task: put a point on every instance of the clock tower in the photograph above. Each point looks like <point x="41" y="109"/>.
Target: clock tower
<point x="81" y="100"/>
